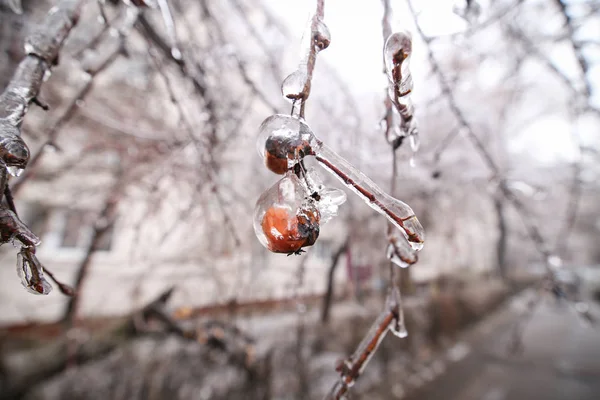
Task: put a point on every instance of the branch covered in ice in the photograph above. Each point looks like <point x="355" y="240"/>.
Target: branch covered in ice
<point x="351" y="368"/>
<point x="42" y="48"/>
<point x="285" y="140"/>
<point x="296" y="86"/>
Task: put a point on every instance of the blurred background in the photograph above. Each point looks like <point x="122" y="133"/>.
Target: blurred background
<point x="144" y="177"/>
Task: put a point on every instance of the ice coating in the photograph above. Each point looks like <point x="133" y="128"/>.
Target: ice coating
<point x="367" y="347"/>
<point x="31" y="273"/>
<point x="394" y="304"/>
<point x="292" y="87"/>
<point x="400" y="252"/>
<point x="282" y="140"/>
<point x="396" y="53"/>
<point x="322" y="36"/>
<point x="329" y="202"/>
<point x="286" y="218"/>
<point x="396" y="211"/>
<point x="327" y="199"/>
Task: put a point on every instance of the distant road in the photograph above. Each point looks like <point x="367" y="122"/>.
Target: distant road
<point x="560" y="361"/>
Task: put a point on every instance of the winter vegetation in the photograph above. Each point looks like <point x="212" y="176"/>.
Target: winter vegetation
<point x="241" y="199"/>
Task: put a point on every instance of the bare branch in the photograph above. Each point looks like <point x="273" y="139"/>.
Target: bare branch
<point x="104" y="223"/>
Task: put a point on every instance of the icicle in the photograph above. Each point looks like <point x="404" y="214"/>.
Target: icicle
<point x="394" y="304"/>
<point x="396" y="53"/>
<point x="31" y="273"/>
<point x="14" y="171"/>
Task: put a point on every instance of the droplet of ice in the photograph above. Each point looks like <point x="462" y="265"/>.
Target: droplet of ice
<point x="47" y="74"/>
<point x="399" y="329"/>
<point x="554" y="261"/>
<point x="292" y="87"/>
<point x="322" y="36"/>
<point x="176" y="53"/>
<point x="80" y="103"/>
<point x="101" y="20"/>
<point x="282" y="140"/>
<point x="398" y="47"/>
<point x="401" y="252"/>
<point x="412" y="161"/>
<point x="14" y="171"/>
<point x="415" y="142"/>
<point x="29" y="49"/>
<point x="32" y="276"/>
<point x="416" y="246"/>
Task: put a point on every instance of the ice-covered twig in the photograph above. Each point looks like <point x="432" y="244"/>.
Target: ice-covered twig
<point x="398" y="213"/>
<point x="312" y="53"/>
<point x="92" y="68"/>
<point x="42" y="48"/>
<point x="165" y="11"/>
<point x="296" y="87"/>
<point x="397" y="52"/>
<point x="351" y="368"/>
<point x="31" y="272"/>
<point x="12" y="228"/>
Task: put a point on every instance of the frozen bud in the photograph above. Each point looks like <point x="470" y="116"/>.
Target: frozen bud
<point x="322" y="36"/>
<point x="13" y="151"/>
<point x="283" y="140"/>
<point x="396" y="50"/>
<point x="292" y="87"/>
<point x="286" y="218"/>
<point x="31" y="273"/>
<point x="400" y="252"/>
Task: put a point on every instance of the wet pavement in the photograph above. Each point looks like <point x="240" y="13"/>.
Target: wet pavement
<point x="560" y="359"/>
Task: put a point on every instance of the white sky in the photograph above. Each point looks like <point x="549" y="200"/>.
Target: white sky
<point x="357" y="43"/>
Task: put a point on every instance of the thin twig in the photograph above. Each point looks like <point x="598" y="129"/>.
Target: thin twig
<point x="312" y="55"/>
